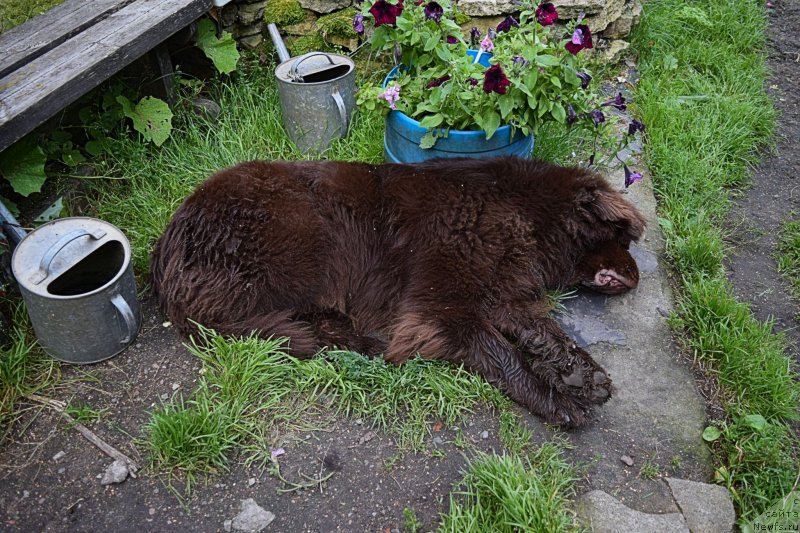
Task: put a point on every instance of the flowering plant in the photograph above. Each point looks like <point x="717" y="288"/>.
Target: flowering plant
<point x="534" y="73"/>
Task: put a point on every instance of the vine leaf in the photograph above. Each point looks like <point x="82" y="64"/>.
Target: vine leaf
<point x="151" y="117"/>
<point x="23" y="166"/>
<point x="222" y="52"/>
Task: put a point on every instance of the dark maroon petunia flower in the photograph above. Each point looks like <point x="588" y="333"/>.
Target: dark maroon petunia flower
<point x="585" y="79"/>
<point x="635" y="126"/>
<point x="451" y="40"/>
<point x="631" y="177"/>
<point x="437" y="82"/>
<point x="434" y="12"/>
<point x="546" y="14"/>
<point x="358" y="24"/>
<point x="597" y="116"/>
<point x="617" y="102"/>
<point x="386" y="13"/>
<point x="581" y="38"/>
<point x="495" y="80"/>
<point x="474" y="36"/>
<point x="473" y="82"/>
<point x="507" y="24"/>
<point x="572" y="117"/>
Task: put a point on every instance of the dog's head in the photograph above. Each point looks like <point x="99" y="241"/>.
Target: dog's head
<point x="609" y="224"/>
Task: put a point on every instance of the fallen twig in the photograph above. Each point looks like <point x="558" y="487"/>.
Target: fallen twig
<point x="109" y="450"/>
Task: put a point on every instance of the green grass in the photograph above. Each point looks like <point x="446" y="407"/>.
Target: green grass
<point x="788" y="255"/>
<point x="15" y="12"/>
<point x="24" y="369"/>
<point x="702" y="98"/>
<point x="511" y="493"/>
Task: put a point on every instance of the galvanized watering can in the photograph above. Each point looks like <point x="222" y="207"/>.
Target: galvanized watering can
<point x="76" y="278"/>
<point x="317" y="93"/>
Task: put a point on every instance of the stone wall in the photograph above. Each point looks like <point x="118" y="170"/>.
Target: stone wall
<point x="328" y="20"/>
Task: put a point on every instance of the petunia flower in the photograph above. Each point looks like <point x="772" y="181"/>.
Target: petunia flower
<point x="391" y="95"/>
<point x="451" y="40"/>
<point x="434" y="12"/>
<point x="473" y="81"/>
<point x="597" y="116"/>
<point x="581" y="38"/>
<point x="437" y="82"/>
<point x="487" y="45"/>
<point x="635" y="126"/>
<point x="572" y="117"/>
<point x="546" y="14"/>
<point x="631" y="177"/>
<point x="386" y="13"/>
<point x="520" y="61"/>
<point x="358" y="24"/>
<point x="507" y="24"/>
<point x="474" y="35"/>
<point x="495" y="80"/>
<point x="491" y="33"/>
<point x="617" y="102"/>
<point x="585" y="79"/>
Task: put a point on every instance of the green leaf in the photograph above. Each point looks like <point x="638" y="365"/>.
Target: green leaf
<point x="222" y="52"/>
<point x="151" y="117"/>
<point x="52" y="212"/>
<point x="428" y="140"/>
<point x="558" y="113"/>
<point x="555" y="81"/>
<point x="711" y="433"/>
<point x="431" y="121"/>
<point x="757" y="422"/>
<point x="98" y="146"/>
<point x="491" y="121"/>
<point x="71" y="156"/>
<point x="23" y="166"/>
<point x="506" y="103"/>
<point x="431" y="43"/>
<point x="546" y="61"/>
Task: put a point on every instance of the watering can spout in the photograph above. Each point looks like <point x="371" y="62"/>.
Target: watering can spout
<point x="283" y="53"/>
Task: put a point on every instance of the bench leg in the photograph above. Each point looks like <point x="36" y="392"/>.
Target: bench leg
<point x="166" y="75"/>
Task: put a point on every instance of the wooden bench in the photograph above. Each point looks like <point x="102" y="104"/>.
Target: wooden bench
<point x="52" y="60"/>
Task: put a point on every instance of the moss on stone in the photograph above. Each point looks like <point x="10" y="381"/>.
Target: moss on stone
<point x="338" y="24"/>
<point x="462" y="18"/>
<point x="284" y="12"/>
<point x="308" y="43"/>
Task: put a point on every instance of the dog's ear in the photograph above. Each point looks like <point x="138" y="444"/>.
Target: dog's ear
<point x="611" y="207"/>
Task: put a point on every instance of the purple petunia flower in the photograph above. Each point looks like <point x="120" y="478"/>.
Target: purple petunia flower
<point x="617" y="102"/>
<point x="437" y="82"/>
<point x="581" y="38"/>
<point x="451" y="40"/>
<point x="491" y="33"/>
<point x="572" y="117"/>
<point x="520" y="61"/>
<point x="546" y="14"/>
<point x="585" y="79"/>
<point x="358" y="24"/>
<point x="386" y="13"/>
<point x="631" y="177"/>
<point x="474" y="35"/>
<point x="391" y="95"/>
<point x="434" y="12"/>
<point x="507" y="24"/>
<point x="473" y="82"/>
<point x="495" y="80"/>
<point x="597" y="116"/>
<point x="487" y="45"/>
<point x="635" y="126"/>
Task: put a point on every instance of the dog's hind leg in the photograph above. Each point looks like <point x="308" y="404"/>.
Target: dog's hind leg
<point x="336" y="330"/>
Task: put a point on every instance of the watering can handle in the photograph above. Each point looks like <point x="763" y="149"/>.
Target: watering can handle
<point x="293" y="75"/>
<point x="44" y="266"/>
<point x="127" y="315"/>
<point x="342" y="110"/>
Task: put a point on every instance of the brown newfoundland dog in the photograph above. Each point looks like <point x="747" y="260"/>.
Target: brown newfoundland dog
<point x="447" y="259"/>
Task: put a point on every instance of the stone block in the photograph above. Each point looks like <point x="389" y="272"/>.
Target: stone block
<point x="707" y="508"/>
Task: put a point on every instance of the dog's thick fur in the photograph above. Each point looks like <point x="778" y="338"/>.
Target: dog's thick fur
<point x="449" y="259"/>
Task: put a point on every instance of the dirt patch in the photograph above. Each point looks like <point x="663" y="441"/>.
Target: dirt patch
<point x="775" y="194"/>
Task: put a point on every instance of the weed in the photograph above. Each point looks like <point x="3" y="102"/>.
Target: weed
<point x="513" y="433"/>
<point x="411" y="523"/>
<point x="649" y="469"/>
<point x="788" y="255"/>
<point x="84" y="413"/>
<point x="508" y="493"/>
<point x="675" y="463"/>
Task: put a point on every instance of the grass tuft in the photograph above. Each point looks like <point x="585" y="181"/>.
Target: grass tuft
<point x="788" y="255"/>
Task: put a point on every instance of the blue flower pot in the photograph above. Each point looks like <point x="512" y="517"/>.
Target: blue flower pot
<point x="403" y="134"/>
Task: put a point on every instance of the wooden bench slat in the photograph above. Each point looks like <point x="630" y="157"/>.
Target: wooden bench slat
<point x="48" y="30"/>
<point x="37" y="91"/>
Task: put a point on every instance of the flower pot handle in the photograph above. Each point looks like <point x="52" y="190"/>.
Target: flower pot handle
<point x="342" y="110"/>
<point x="127" y="316"/>
<point x="44" y="266"/>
